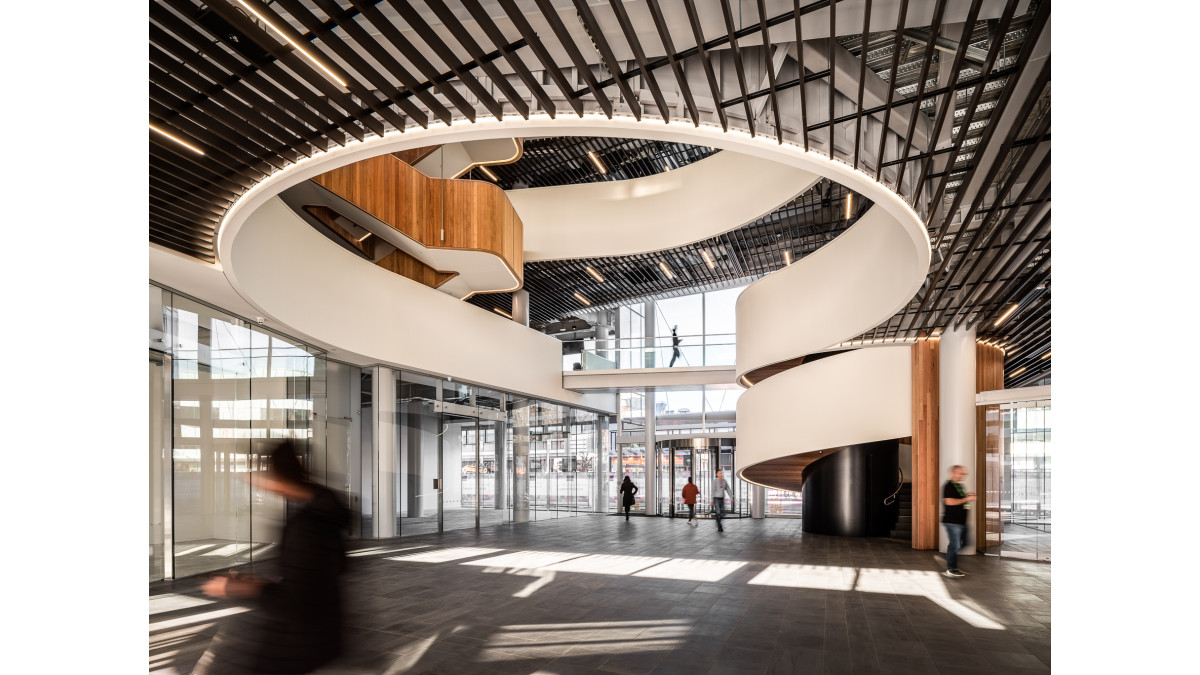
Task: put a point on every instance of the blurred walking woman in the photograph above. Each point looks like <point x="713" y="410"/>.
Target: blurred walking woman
<point x="296" y="623"/>
<point x="628" y="490"/>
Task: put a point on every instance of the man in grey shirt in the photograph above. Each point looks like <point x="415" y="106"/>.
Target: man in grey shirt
<point x="719" y="490"/>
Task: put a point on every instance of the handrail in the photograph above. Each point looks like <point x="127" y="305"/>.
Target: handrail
<point x="891" y="499"/>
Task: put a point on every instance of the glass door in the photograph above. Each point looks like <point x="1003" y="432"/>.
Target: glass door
<point x="459" y="451"/>
<point x="633" y="464"/>
<point x="703" y="476"/>
<point x="1017" y="480"/>
<point x="679" y="461"/>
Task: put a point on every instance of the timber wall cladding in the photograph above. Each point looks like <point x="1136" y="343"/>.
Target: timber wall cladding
<point x="927" y="491"/>
<point x="474" y="215"/>
<point x="989" y="376"/>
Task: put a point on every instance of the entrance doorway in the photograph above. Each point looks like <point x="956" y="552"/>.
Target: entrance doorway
<point x="698" y="459"/>
<point x="451" y="457"/>
<point x="1017" y="455"/>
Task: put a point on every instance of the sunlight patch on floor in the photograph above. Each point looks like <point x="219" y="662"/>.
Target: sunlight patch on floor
<point x="445" y="555"/>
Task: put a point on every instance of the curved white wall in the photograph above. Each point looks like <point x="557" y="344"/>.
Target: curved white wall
<point x="857" y="397"/>
<point x="701" y="200"/>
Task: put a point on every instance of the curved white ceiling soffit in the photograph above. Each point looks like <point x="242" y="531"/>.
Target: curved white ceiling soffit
<point x="368" y="306"/>
<point x="653" y="213"/>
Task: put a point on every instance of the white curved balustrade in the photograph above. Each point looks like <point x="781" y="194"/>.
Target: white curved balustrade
<point x="311" y="288"/>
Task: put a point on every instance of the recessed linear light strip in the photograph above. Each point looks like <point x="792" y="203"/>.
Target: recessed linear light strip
<point x="502" y="312"/>
<point x="489" y="174"/>
<point x="302" y="50"/>
<point x="178" y="140"/>
<point x="596" y="160"/>
<point x="787" y="257"/>
<point x="1045" y="356"/>
<point x="666" y="270"/>
<point x="1006" y="314"/>
<point x="594" y="273"/>
<point x="849" y="204"/>
<point x="1017" y="372"/>
<point x="708" y="259"/>
<point x="583" y="299"/>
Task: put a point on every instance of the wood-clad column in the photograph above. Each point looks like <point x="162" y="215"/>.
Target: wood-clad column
<point x="989" y="376"/>
<point x="926" y="490"/>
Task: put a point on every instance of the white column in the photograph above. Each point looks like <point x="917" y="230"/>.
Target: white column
<point x="956" y="428"/>
<point x="383" y="432"/>
<point x="520" y="306"/>
<point x="758" y="500"/>
<point x="651" y="456"/>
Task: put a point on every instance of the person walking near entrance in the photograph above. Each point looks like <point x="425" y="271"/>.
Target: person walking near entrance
<point x="690" y="491"/>
<point x="675" y="342"/>
<point x="720" y="489"/>
<point x="628" y="490"/>
<point x="957" y="501"/>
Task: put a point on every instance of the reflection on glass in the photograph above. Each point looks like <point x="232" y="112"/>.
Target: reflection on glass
<point x="232" y="384"/>
<point x="459" y="439"/>
<point x="1025" y="470"/>
<point x="418" y="428"/>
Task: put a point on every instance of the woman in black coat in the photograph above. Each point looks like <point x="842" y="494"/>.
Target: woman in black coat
<point x="628" y="490"/>
<point x="296" y="624"/>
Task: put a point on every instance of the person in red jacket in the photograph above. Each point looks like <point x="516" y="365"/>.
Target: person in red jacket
<point x="690" y="492"/>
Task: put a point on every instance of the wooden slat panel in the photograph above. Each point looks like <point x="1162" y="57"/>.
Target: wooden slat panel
<point x="989" y="376"/>
<point x="926" y="478"/>
<point x="437" y="213"/>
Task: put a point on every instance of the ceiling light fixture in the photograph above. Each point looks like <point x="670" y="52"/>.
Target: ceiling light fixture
<point x="1006" y="314"/>
<point x="666" y="270"/>
<point x="582" y="299"/>
<point x="364" y="237"/>
<point x="787" y="257"/>
<point x="178" y="140"/>
<point x="667" y="167"/>
<point x="708" y="259"/>
<point x="849" y="204"/>
<point x="502" y="312"/>
<point x="594" y="273"/>
<point x="1018" y="371"/>
<point x="302" y="50"/>
<point x="489" y="174"/>
<point x="596" y="161"/>
<point x="1045" y="356"/>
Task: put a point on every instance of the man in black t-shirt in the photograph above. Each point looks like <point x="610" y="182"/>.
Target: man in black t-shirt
<point x="954" y="518"/>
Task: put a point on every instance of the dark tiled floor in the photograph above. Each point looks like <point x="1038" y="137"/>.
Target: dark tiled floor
<point x="600" y="595"/>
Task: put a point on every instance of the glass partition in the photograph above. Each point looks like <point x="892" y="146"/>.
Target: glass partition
<point x="233" y="385"/>
<point x="1018" y="458"/>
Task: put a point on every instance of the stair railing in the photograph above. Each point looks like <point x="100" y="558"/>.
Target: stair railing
<point x="891" y="499"/>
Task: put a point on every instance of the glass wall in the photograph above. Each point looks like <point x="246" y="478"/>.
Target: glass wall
<point x="1018" y="456"/>
<point x="704" y="323"/>
<point x="233" y="385"/>
<point x="711" y="408"/>
<point x="556" y="453"/>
